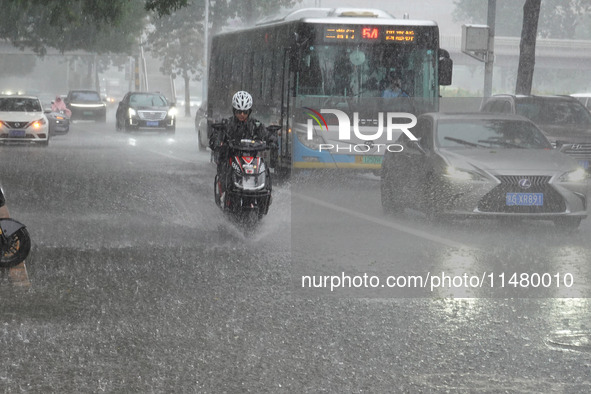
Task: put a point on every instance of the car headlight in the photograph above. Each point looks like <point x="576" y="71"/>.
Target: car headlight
<point x="461" y="175"/>
<point x="577" y="175"/>
<point x="132" y="112"/>
<point x="314" y="143"/>
<point x="172" y="112"/>
<point x="38" y="123"/>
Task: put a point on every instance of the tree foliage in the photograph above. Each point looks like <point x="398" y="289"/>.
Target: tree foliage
<point x="177" y="36"/>
<point x="67" y="25"/>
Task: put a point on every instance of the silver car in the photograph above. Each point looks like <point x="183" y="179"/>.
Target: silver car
<point x="483" y="165"/>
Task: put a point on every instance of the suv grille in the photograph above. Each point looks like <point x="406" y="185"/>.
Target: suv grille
<point x="495" y="200"/>
<point x="152" y="115"/>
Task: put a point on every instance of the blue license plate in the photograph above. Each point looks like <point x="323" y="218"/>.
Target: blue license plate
<point x="151" y="124"/>
<point x="584" y="164"/>
<point x="16" y="133"/>
<point x="524" y="199"/>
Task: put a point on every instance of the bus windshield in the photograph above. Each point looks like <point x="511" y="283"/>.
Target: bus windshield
<point x="367" y="70"/>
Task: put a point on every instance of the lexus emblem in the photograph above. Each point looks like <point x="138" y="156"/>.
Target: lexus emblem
<point x="524" y="183"/>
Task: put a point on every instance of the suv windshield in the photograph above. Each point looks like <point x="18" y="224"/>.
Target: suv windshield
<point x="500" y="134"/>
<point x="85" y="96"/>
<point x="147" y="100"/>
<point x="555" y="112"/>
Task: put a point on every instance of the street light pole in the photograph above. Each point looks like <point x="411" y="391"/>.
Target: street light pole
<point x="205" y="51"/>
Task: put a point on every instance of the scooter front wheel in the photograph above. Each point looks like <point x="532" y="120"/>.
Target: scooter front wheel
<point x="16" y="250"/>
<point x="216" y="191"/>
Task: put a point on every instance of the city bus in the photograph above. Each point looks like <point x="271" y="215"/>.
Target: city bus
<point x="320" y="73"/>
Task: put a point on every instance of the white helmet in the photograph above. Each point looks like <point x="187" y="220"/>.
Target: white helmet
<point x="242" y="101"/>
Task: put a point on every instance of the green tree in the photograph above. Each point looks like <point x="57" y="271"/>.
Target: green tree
<point x="91" y="25"/>
<point x="177" y="36"/>
<point x="177" y="40"/>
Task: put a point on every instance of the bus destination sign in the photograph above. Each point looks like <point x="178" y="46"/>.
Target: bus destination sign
<point x="339" y="34"/>
<point x="369" y="34"/>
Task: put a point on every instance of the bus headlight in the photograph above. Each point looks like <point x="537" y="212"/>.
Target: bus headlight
<point x="314" y="143"/>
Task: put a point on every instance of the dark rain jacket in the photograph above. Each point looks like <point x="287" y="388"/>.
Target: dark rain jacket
<point x="251" y="129"/>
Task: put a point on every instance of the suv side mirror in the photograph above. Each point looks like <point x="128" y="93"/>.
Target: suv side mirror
<point x="445" y="68"/>
<point x="416" y="145"/>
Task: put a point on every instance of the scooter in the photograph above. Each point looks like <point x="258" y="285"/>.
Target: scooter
<point x="59" y="122"/>
<point x="15" y="243"/>
<point x="244" y="189"/>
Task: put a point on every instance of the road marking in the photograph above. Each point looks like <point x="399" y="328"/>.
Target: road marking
<point x="387" y="223"/>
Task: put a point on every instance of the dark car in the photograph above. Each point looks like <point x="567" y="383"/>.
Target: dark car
<point x="144" y="110"/>
<point x="563" y="119"/>
<point x="59" y="122"/>
<point x="483" y="165"/>
<point x="86" y="105"/>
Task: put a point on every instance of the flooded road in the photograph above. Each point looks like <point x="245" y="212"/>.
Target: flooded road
<point x="139" y="284"/>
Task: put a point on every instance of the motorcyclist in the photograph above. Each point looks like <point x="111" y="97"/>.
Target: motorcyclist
<point x="58" y="105"/>
<point x="239" y="126"/>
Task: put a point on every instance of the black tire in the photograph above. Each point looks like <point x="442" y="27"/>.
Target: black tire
<point x="431" y="205"/>
<point x="128" y="127"/>
<point x="17" y="250"/>
<point x="202" y="148"/>
<point x="118" y="125"/>
<point x="567" y="223"/>
<point x="216" y="192"/>
<point x="390" y="203"/>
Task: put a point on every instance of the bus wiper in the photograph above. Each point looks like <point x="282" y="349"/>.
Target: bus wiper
<point x="503" y="143"/>
<point x="464" y="142"/>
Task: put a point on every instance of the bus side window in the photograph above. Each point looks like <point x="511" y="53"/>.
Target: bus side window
<point x="236" y="75"/>
<point x="268" y="74"/>
<point x="277" y="73"/>
<point x="247" y="77"/>
<point x="257" y="78"/>
<point x="310" y="76"/>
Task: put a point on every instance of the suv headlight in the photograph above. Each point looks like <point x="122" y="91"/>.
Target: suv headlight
<point x="459" y="174"/>
<point x="172" y="112"/>
<point x="577" y="175"/>
<point x="132" y="112"/>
